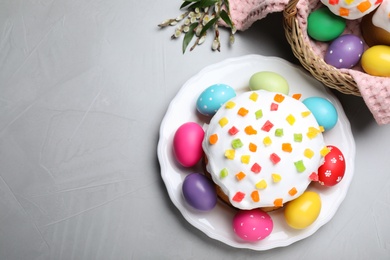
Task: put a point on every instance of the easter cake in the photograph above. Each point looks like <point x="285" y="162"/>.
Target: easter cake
<point x="375" y="26"/>
<point x="263" y="149"/>
<point x="351" y="9"/>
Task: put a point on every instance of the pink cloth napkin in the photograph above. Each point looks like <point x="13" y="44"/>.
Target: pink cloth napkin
<point x="374" y="90"/>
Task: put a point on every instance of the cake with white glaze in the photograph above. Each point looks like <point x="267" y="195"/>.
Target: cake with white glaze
<point x="263" y="149"/>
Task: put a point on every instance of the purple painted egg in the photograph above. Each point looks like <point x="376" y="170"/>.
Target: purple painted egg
<point x="199" y="192"/>
<point x="345" y="51"/>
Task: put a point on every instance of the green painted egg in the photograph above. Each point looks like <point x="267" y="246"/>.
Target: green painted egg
<point x="323" y="25"/>
<point x="270" y="81"/>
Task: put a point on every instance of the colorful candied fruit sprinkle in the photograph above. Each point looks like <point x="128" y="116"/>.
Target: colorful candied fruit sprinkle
<point x="334" y="2"/>
<point x="236" y="143"/>
<point x="286" y="147"/>
<point x="321" y="128"/>
<point x="274" y="107"/>
<point x="245" y="159"/>
<point x="253" y="96"/>
<point x="279" y="98"/>
<point x="274" y="158"/>
<point x="311" y="135"/>
<point x="230" y="154"/>
<point x="233" y="130"/>
<point x="348" y="2"/>
<point x="267" y="141"/>
<point x="242" y="111"/>
<point x="240" y="176"/>
<point x="300" y="166"/>
<point x="313" y="176"/>
<point x="324" y="151"/>
<point x="308" y="153"/>
<point x="297" y="96"/>
<point x="256" y="168"/>
<point x="223" y="121"/>
<point x="249" y="130"/>
<point x="213" y="139"/>
<point x="290" y="119"/>
<point x="276" y="177"/>
<point x="305" y="113"/>
<point x="293" y="191"/>
<point x="230" y="105"/>
<point x="279" y="132"/>
<point x="255" y="196"/>
<point x="278" y="202"/>
<point x="364" y="6"/>
<point x="343" y="11"/>
<point x="312" y="132"/>
<point x="267" y="126"/>
<point x="298" y="138"/>
<point x="223" y="173"/>
<point x="252" y="147"/>
<point x="259" y="114"/>
<point x="261" y="185"/>
<point x="239" y="196"/>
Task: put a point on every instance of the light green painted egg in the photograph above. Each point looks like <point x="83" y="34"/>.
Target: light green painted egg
<point x="270" y="81"/>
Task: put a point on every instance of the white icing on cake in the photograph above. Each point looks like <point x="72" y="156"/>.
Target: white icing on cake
<point x="351" y="9"/>
<point x="381" y="18"/>
<point x="278" y="111"/>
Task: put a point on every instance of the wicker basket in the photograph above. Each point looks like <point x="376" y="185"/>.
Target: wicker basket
<point x="325" y="73"/>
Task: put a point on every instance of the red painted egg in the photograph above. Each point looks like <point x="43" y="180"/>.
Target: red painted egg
<point x="332" y="170"/>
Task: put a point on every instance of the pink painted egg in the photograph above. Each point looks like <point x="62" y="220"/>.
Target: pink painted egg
<point x="252" y="225"/>
<point x="187" y="144"/>
<point x="332" y="170"/>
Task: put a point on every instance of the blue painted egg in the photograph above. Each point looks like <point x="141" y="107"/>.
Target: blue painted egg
<point x="213" y="97"/>
<point x="323" y="110"/>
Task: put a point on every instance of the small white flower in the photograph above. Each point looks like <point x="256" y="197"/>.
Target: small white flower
<point x="177" y="33"/>
<point x="231" y="39"/>
<point x="215" y="45"/>
<point x="180" y="17"/>
<point x="202" y="39"/>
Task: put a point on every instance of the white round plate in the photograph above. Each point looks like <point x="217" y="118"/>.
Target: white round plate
<point x="236" y="72"/>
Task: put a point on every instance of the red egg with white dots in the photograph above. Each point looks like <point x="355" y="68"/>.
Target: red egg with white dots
<point x="331" y="172"/>
<point x="252" y="225"/>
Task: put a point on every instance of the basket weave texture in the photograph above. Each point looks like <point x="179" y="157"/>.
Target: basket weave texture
<point x="375" y="91"/>
<point x="325" y="73"/>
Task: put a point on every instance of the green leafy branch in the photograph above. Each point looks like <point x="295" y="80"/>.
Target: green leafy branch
<point x="199" y="17"/>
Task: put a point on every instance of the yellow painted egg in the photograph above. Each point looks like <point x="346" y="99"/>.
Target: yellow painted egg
<point x="303" y="211"/>
<point x="376" y="61"/>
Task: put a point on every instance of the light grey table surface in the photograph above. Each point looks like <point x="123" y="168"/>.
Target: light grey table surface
<point x="84" y="86"/>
